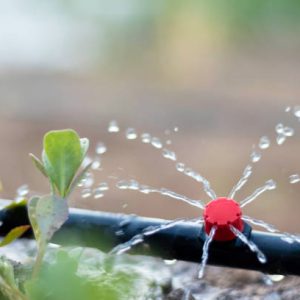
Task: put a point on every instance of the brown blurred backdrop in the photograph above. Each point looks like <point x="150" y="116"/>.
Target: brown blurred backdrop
<point x="223" y="72"/>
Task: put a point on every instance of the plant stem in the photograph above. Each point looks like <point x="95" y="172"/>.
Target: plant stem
<point x="11" y="291"/>
<point x="39" y="259"/>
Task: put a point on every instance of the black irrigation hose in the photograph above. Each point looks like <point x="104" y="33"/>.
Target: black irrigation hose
<point x="183" y="241"/>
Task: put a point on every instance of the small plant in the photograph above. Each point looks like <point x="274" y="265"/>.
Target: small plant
<point x="65" y="277"/>
<point x="62" y="157"/>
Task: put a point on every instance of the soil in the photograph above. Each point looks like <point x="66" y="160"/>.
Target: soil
<point x="227" y="284"/>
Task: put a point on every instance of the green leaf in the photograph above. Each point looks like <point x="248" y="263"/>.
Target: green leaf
<point x="84" y="143"/>
<point x="38" y="164"/>
<point x="62" y="156"/>
<point x="9" y="288"/>
<point x="7" y="271"/>
<point x="65" y="279"/>
<point x="14" y="234"/>
<point x="78" y="178"/>
<point x="47" y="214"/>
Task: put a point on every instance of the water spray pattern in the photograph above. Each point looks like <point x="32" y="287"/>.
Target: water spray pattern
<point x="282" y="132"/>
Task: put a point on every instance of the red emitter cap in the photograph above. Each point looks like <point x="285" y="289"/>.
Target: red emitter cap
<point x="223" y="212"/>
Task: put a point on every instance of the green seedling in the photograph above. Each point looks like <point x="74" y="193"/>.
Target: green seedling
<point x="62" y="157"/>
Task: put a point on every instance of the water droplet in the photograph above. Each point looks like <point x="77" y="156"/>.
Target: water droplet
<point x="101" y="148"/>
<point x="86" y="161"/>
<point x="146" y="138"/>
<point x="297" y="111"/>
<point x="87" y="181"/>
<point x="296" y="238"/>
<point x="287" y="239"/>
<point x="169" y="142"/>
<point x="261" y="257"/>
<point x="170" y="262"/>
<point x="86" y="193"/>
<point x="280" y="139"/>
<point x="145" y="189"/>
<point x="279" y="128"/>
<point x="205" y="251"/>
<point x="271" y="184"/>
<point x="283" y="132"/>
<point x="188" y="172"/>
<point x="169" y="154"/>
<point x="176" y="129"/>
<point x="103" y="186"/>
<point x="23" y="190"/>
<point x="164" y="191"/>
<point x="267" y="280"/>
<point x="264" y="142"/>
<point x="288" y="131"/>
<point x="288" y="109"/>
<point x="119" y="232"/>
<point x="80" y="183"/>
<point x="113" y="126"/>
<point x="180" y="167"/>
<point x="294" y="178"/>
<point x="242" y="181"/>
<point x="155" y="142"/>
<point x="133" y="185"/>
<point x="276" y="277"/>
<point x="98" y="193"/>
<point x="128" y="185"/>
<point x="131" y="134"/>
<point x="124" y="205"/>
<point x="255" y="156"/>
<point x="96" y="163"/>
<point x="126" y="221"/>
<point x="252" y="246"/>
<point x="122" y="185"/>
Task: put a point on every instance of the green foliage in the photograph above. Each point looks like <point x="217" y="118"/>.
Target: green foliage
<point x="38" y="164"/>
<point x="47" y="214"/>
<point x="69" y="278"/>
<point x="62" y="156"/>
<point x="9" y="288"/>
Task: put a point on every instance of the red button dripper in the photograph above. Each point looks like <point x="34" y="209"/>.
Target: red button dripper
<point x="223" y="212"/>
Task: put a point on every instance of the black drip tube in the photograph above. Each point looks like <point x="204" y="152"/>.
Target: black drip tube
<point x="184" y="241"/>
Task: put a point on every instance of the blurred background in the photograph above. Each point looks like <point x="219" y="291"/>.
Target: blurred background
<point x="223" y="72"/>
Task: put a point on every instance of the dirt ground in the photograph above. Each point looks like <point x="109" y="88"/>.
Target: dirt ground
<point x="227" y="284"/>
